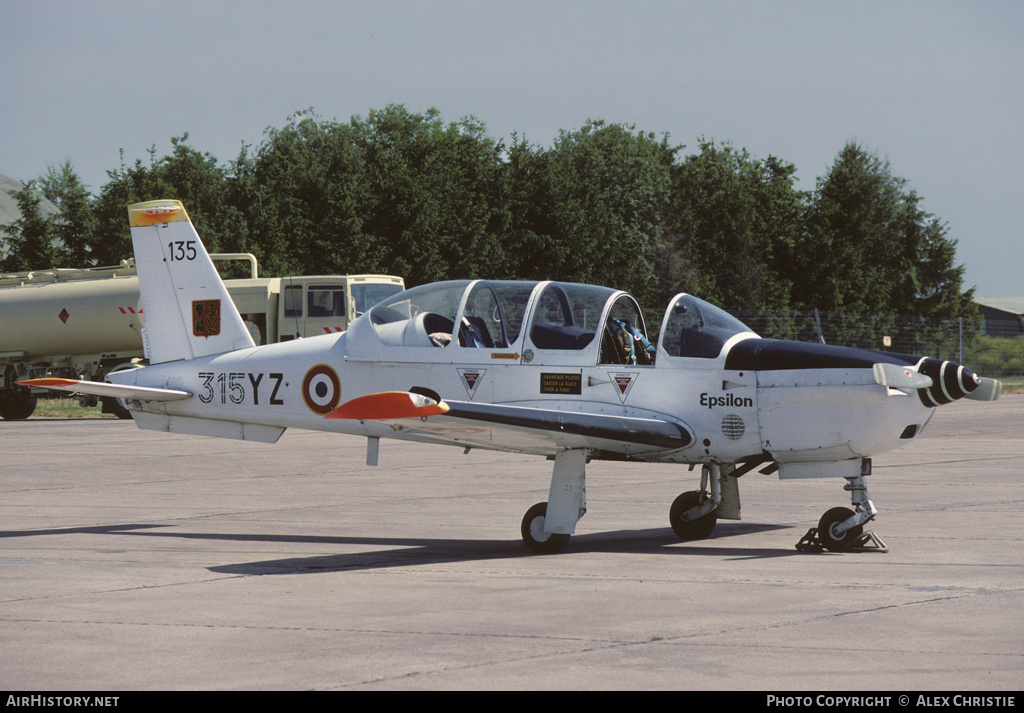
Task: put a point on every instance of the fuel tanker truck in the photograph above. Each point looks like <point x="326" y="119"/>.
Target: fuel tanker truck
<point x="86" y="323"/>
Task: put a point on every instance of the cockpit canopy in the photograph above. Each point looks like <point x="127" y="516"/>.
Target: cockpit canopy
<point x="534" y="318"/>
<point x="695" y="328"/>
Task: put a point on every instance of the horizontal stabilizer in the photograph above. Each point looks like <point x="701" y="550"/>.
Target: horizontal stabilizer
<point x="387" y="406"/>
<point x="988" y="390"/>
<point x="900" y="377"/>
<point x="139" y="393"/>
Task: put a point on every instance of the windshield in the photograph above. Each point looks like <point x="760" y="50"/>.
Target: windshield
<point x="426" y="316"/>
<point x="695" y="328"/>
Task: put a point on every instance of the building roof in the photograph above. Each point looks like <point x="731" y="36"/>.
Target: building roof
<point x="1013" y="305"/>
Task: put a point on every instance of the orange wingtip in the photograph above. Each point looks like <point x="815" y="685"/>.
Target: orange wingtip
<point x="387" y="406"/>
<point x="49" y="383"/>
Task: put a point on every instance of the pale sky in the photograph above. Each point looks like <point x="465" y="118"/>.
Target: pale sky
<point x="935" y="87"/>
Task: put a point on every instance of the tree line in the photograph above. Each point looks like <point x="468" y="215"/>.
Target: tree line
<point x="410" y="194"/>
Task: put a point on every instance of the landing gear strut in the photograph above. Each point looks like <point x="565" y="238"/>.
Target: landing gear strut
<point x="547" y="526"/>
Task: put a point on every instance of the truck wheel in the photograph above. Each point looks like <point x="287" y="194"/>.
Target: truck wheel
<point x="15" y="408"/>
<point x="114" y="406"/>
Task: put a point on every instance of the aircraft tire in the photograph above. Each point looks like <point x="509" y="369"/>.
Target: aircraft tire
<point x="830" y="541"/>
<point x="535" y="537"/>
<point x="697" y="529"/>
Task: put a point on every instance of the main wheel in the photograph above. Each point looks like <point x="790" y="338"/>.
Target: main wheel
<point x="534" y="536"/>
<point x="832" y="541"/>
<point x="696" y="529"/>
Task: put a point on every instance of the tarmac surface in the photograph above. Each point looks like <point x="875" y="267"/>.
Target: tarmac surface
<point x="134" y="560"/>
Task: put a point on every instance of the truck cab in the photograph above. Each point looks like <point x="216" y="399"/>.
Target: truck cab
<point x="279" y="309"/>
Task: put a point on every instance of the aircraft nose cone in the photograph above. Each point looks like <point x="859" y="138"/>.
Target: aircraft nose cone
<point x="949" y="382"/>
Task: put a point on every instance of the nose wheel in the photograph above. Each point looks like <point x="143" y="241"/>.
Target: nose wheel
<point x="832" y="539"/>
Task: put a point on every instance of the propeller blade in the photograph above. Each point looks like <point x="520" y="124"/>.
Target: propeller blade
<point x="988" y="390"/>
<point x="900" y="377"/>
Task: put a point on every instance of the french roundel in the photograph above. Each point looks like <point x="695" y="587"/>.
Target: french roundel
<point x="321" y="389"/>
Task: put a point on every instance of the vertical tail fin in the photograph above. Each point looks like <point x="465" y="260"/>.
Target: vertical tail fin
<point x="188" y="311"/>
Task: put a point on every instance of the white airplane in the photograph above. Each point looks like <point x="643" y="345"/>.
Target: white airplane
<point x="547" y="368"/>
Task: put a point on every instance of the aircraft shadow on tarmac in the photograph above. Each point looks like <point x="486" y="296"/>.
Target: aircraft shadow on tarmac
<point x="406" y="552"/>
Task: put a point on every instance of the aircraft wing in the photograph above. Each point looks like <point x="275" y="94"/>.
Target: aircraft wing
<point x="140" y="393"/>
<point x="518" y="428"/>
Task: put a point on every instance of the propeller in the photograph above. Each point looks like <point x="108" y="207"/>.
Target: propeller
<point x="938" y="382"/>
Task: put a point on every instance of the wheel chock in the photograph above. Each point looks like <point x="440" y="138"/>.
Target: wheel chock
<point x="865" y="542"/>
<point x="810" y="542"/>
<point x="861" y="544"/>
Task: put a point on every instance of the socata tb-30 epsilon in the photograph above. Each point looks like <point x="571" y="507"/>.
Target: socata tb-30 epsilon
<point x="547" y="368"/>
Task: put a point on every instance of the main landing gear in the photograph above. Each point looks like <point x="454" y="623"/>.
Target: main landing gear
<point x="547" y="526"/>
<point x="693" y="515"/>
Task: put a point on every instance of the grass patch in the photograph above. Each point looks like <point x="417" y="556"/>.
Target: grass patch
<point x="1013" y="384"/>
<point x="66" y="407"/>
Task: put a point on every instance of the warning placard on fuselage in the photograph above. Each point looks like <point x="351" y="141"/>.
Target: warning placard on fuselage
<point x="561" y="383"/>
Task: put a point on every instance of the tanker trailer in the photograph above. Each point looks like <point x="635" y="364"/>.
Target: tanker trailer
<point x="65" y="322"/>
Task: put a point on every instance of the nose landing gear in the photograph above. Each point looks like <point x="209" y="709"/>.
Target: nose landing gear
<point x="841" y="529"/>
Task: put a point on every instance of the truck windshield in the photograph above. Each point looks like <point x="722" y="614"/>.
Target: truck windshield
<point x="367" y="295"/>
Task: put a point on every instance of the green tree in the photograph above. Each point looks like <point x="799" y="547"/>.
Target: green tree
<point x="526" y="217"/>
<point x="194" y="178"/>
<point x="395" y="192"/>
<point x="300" y="192"/>
<point x="32" y="238"/>
<point x="733" y="224"/>
<point x="433" y="194"/>
<point x="75" y="224"/>
<point x="608" y="184"/>
<point x="869" y="248"/>
<point x="126" y="186"/>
